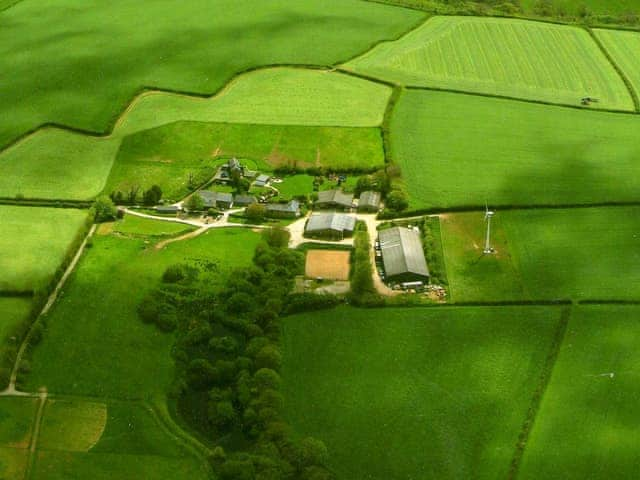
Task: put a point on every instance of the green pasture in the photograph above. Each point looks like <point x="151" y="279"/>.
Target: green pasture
<point x="55" y="163"/>
<point x="516" y="58"/>
<point x="458" y="150"/>
<point x="172" y="154"/>
<point x="72" y="425"/>
<point x="585" y="253"/>
<point x="133" y="225"/>
<point x="13" y="310"/>
<point x="276" y="96"/>
<point x="598" y="7"/>
<point x="587" y="424"/>
<point x="413" y="393"/>
<point x="95" y="344"/>
<point x="624" y="47"/>
<point x="34" y="242"/>
<point x="16" y="418"/>
<point x="80" y="63"/>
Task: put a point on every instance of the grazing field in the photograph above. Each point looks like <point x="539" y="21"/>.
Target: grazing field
<point x="515" y="58"/>
<point x="169" y="155"/>
<point x="13" y="310"/>
<point x="602" y="7"/>
<point x="276" y="96"/>
<point x="587" y="425"/>
<point x="80" y="64"/>
<point x="328" y="264"/>
<point x="58" y="164"/>
<point x="133" y="225"/>
<point x="16" y="418"/>
<point x="465" y="150"/>
<point x="585" y="253"/>
<point x="133" y="360"/>
<point x="413" y="393"/>
<point x="37" y="240"/>
<point x="72" y="425"/>
<point x="624" y="47"/>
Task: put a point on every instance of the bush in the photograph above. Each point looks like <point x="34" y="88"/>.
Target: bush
<point x="179" y="273"/>
<point x="397" y="201"/>
<point x="194" y="203"/>
<point x="276" y="237"/>
<point x="269" y="357"/>
<point x="266" y="378"/>
<point x="105" y="209"/>
<point x="255" y="212"/>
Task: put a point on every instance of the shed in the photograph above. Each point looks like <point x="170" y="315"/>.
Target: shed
<point x="168" y="209"/>
<point x="334" y="199"/>
<point x="283" y="210"/>
<point x="369" y="202"/>
<point x="262" y="180"/>
<point x="334" y="226"/>
<point x="403" y="256"/>
<point x="244" y="200"/>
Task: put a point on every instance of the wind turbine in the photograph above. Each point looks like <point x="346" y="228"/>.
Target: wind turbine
<point x="487" y="216"/>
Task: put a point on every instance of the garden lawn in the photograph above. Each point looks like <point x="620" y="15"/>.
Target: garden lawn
<point x="134" y="225"/>
<point x="587" y="425"/>
<point x="80" y="63"/>
<point x="624" y="47"/>
<point x="13" y="311"/>
<point x="172" y="154"/>
<point x="457" y="150"/>
<point x="95" y="344"/>
<point x="35" y="242"/>
<point x="57" y="164"/>
<point x="515" y="58"/>
<point x="413" y="393"/>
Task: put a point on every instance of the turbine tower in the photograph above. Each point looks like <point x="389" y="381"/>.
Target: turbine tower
<point x="487" y="216"/>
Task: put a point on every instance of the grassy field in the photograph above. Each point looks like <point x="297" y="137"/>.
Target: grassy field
<point x="37" y="239"/>
<point x="515" y="58"/>
<point x="80" y="64"/>
<point x="55" y="163"/>
<point x="168" y="155"/>
<point x="464" y="150"/>
<point x="16" y="417"/>
<point x="413" y="393"/>
<point x="133" y="360"/>
<point x="277" y="96"/>
<point x="132" y="225"/>
<point x="587" y="253"/>
<point x="13" y="310"/>
<point x="601" y="7"/>
<point x="624" y="47"/>
<point x="587" y="424"/>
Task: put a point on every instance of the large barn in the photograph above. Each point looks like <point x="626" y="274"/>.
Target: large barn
<point x="334" y="200"/>
<point x="402" y="255"/>
<point x="334" y="226"/>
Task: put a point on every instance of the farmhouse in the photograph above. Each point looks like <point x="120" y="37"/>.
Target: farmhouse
<point x="334" y="226"/>
<point x="369" y="202"/>
<point x="334" y="199"/>
<point x="212" y="199"/>
<point x="402" y="255"/>
<point x="283" y="210"/>
<point x="243" y="200"/>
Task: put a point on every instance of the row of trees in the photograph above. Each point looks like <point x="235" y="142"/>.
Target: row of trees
<point x="150" y="197"/>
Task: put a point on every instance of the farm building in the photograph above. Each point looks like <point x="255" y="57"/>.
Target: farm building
<point x="168" y="209"/>
<point x="212" y="199"/>
<point x="283" y="210"/>
<point x="243" y="200"/>
<point x="334" y="226"/>
<point x="334" y="199"/>
<point x="369" y="202"/>
<point x="262" y="180"/>
<point x="234" y="165"/>
<point x="402" y="255"/>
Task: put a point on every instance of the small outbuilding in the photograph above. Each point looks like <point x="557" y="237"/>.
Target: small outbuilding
<point x="333" y="226"/>
<point x="403" y="256"/>
<point x="283" y="210"/>
<point x="261" y="180"/>
<point x="243" y="200"/>
<point x="335" y="200"/>
<point x="369" y="202"/>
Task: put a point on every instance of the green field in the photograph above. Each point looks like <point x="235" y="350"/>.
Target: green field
<point x="80" y="64"/>
<point x="515" y="58"/>
<point x="133" y="225"/>
<point x="624" y="47"/>
<point x="587" y="425"/>
<point x="35" y="242"/>
<point x="168" y="155"/>
<point x="132" y="360"/>
<point x="601" y="7"/>
<point x="16" y="418"/>
<point x="413" y="393"/>
<point x="589" y="253"/>
<point x="465" y="150"/>
<point x="13" y="310"/>
<point x="54" y="163"/>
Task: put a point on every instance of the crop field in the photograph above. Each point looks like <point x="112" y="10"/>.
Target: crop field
<point x="76" y="357"/>
<point x="587" y="424"/>
<point x="12" y="311"/>
<point x="413" y="393"/>
<point x="624" y="47"/>
<point x="38" y="239"/>
<point x="465" y="150"/>
<point x="507" y="57"/>
<point x="57" y="164"/>
<point x="589" y="253"/>
<point x="110" y="55"/>
<point x="168" y="155"/>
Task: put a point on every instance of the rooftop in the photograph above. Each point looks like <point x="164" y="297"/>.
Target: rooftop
<point x="337" y="197"/>
<point x="330" y="221"/>
<point x="402" y="252"/>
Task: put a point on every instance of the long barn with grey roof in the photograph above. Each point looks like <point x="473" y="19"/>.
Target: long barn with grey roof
<point x="402" y="255"/>
<point x="335" y="226"/>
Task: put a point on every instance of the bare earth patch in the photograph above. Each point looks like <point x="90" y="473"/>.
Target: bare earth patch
<point x="328" y="264"/>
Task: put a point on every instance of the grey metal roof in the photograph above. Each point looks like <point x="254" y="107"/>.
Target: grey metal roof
<point x="330" y="221"/>
<point x="168" y="208"/>
<point x="208" y="197"/>
<point x="369" y="199"/>
<point x="263" y="178"/>
<point x="292" y="206"/>
<point x="244" y="199"/>
<point x="336" y="196"/>
<point x="224" y="197"/>
<point x="402" y="252"/>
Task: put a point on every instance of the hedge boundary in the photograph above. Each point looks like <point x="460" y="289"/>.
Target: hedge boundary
<point x="42" y="202"/>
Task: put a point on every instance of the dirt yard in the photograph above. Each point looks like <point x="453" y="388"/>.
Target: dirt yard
<point x="328" y="264"/>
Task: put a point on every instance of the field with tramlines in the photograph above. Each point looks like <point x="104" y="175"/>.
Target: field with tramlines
<point x="624" y="48"/>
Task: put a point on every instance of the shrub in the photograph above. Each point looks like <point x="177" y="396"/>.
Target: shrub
<point x="267" y="378"/>
<point x="105" y="209"/>
<point x="269" y="357"/>
<point x="397" y="200"/>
